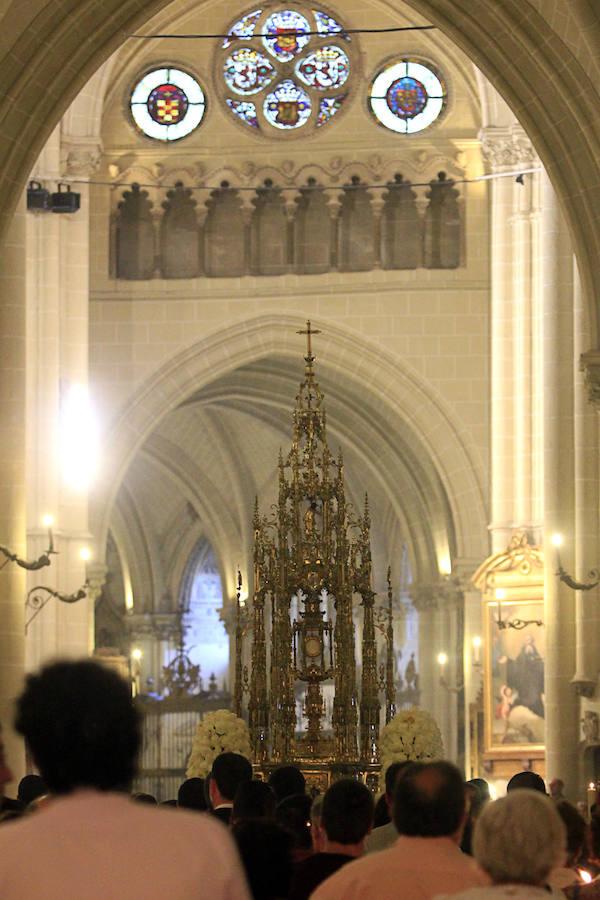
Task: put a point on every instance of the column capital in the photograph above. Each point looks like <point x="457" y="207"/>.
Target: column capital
<point x="80" y="156"/>
<point x="96" y="573"/>
<point x="506" y="147"/>
<point x="446" y="593"/>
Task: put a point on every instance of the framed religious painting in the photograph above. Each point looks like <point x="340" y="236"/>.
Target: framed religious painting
<point x="512" y="587"/>
<point x="514" y="708"/>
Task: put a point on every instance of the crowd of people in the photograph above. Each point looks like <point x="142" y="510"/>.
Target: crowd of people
<point x="76" y="830"/>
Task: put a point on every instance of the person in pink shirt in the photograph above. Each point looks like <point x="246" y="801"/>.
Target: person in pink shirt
<point x="91" y="841"/>
<point x="429" y="811"/>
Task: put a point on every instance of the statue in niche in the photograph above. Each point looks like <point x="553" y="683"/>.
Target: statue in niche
<point x="400" y="227"/>
<point x="591" y="727"/>
<point x="135" y="255"/>
<point x="269" y="241"/>
<point x="442" y="239"/>
<point x="224" y="234"/>
<point x="356" y="244"/>
<point x="179" y="235"/>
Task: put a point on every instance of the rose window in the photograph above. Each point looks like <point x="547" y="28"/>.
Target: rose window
<point x="407" y="96"/>
<point x="286" y="70"/>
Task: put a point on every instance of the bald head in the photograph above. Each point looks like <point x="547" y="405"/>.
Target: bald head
<point x="429" y="801"/>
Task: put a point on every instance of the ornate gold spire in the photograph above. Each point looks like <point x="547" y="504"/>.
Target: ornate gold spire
<point x="310" y="560"/>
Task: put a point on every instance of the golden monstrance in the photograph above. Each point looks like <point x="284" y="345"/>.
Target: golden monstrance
<point x="312" y="576"/>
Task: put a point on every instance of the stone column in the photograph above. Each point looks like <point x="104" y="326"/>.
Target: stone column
<point x="562" y="713"/>
<point x="57" y="341"/>
<point x="12" y="479"/>
<point x="587" y="505"/>
<point x="425" y="602"/>
<point x="515" y="391"/>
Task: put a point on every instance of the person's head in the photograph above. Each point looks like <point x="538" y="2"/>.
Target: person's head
<point x="392" y="774"/>
<point x="228" y="771"/>
<point x="6" y="776"/>
<point x="80" y="723"/>
<point x="148" y="799"/>
<point x="519" y="838"/>
<point x="265" y="850"/>
<point x="287" y="781"/>
<point x="429" y="801"/>
<point x="191" y="794"/>
<point x="529" y="781"/>
<point x="347" y="815"/>
<point x="293" y="814"/>
<point x="482" y="788"/>
<point x="30" y="788"/>
<point x="253" y="800"/>
<point x="576" y="828"/>
<point x="557" y="787"/>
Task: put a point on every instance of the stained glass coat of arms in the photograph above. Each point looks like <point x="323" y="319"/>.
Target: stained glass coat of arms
<point x="167" y="104"/>
<point x="407" y="96"/>
<point x="290" y="62"/>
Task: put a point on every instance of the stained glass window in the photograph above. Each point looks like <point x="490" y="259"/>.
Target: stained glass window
<point x="328" y="108"/>
<point x="288" y="106"/>
<point x="248" y="71"/>
<point x="326" y="69"/>
<point x="244" y="110"/>
<point x="407" y="96"/>
<point x="243" y="29"/>
<point x="166" y="104"/>
<point x="283" y="34"/>
<point x="327" y="25"/>
<point x="286" y="69"/>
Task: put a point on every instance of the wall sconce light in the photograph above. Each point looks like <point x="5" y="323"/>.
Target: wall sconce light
<point x="593" y="575"/>
<point x="40" y="595"/>
<point x="517" y="624"/>
<point x="42" y="561"/>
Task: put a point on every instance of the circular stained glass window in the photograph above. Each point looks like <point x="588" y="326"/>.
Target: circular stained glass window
<point x="326" y="69"/>
<point x="407" y="96"/>
<point x="167" y="104"/>
<point x="286" y="69"/>
<point x="247" y="71"/>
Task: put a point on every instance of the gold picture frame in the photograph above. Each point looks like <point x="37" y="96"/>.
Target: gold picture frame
<point x="514" y="710"/>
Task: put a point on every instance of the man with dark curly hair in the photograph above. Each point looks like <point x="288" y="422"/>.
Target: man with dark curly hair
<point x="91" y="841"/>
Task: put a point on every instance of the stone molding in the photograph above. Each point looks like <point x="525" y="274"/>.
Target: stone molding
<point x="507" y="147"/>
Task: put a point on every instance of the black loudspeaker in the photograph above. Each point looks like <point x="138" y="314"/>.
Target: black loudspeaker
<point x="65" y="200"/>
<point x="37" y="196"/>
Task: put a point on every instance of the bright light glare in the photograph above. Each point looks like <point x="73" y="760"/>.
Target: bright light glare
<point x="500" y="594"/>
<point x="585" y="876"/>
<point x="557" y="539"/>
<point x="47" y="521"/>
<point x="442" y="659"/>
<point x="85" y="554"/>
<point x="476" y="641"/>
<point x="78" y="438"/>
<point x="136" y="654"/>
<point x="591" y="786"/>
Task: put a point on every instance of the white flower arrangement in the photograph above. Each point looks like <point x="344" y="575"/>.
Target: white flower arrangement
<point x="412" y="734"/>
<point x="218" y="732"/>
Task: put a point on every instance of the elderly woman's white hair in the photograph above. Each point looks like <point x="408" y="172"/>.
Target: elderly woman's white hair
<point x="519" y="838"/>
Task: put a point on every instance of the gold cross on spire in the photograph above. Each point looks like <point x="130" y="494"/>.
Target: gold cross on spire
<point x="309" y="333"/>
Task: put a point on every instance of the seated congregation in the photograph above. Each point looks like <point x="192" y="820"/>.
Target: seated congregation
<point x="75" y="830"/>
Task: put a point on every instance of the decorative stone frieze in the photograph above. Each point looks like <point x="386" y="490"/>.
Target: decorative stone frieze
<point x="507" y="147"/>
